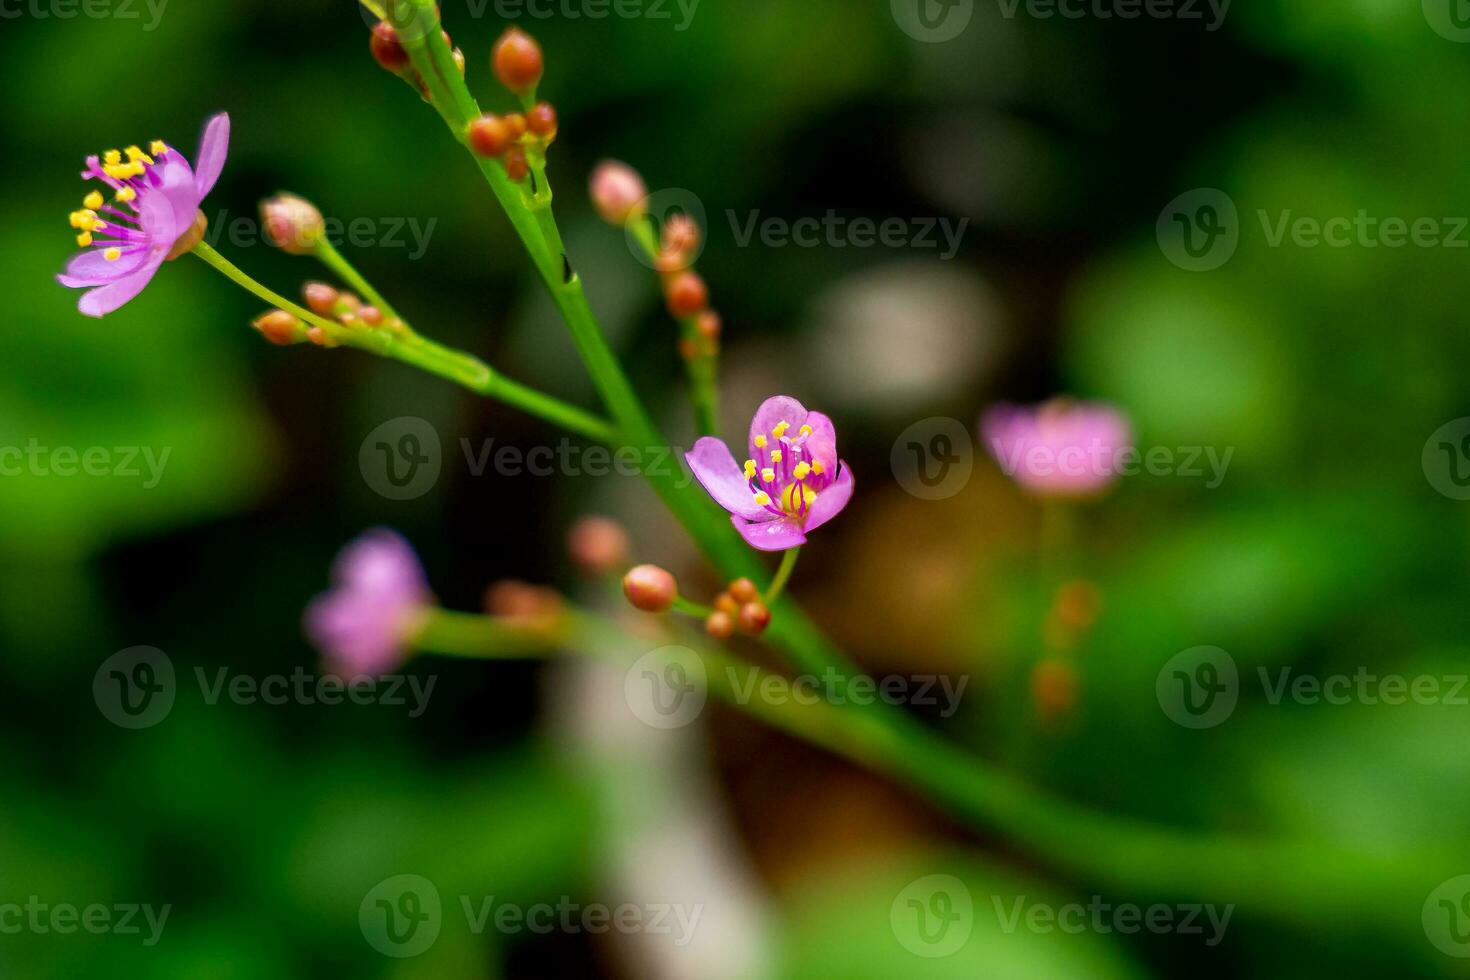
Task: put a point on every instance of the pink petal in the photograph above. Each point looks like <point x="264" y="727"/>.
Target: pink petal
<point x="821" y="445"/>
<point x="831" y="500"/>
<point x="722" y="478"/>
<point x="105" y="300"/>
<point x="176" y="188"/>
<point x="778" y="408"/>
<point x="91" y="268"/>
<point x="777" y="534"/>
<point x="214" y="146"/>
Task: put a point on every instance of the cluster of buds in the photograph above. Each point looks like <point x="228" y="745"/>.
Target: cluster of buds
<point x="740" y="606"/>
<point x="1074" y="611"/>
<point x="347" y="309"/>
<point x="518" y="64"/>
<point x="388" y="51"/>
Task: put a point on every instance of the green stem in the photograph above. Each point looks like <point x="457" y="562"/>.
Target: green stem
<point x="783" y="574"/>
<point x="328" y="255"/>
<point x="690" y="608"/>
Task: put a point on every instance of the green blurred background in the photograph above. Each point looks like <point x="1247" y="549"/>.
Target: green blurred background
<point x="1325" y="548"/>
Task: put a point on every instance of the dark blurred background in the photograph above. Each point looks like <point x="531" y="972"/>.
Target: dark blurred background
<point x="1327" y="546"/>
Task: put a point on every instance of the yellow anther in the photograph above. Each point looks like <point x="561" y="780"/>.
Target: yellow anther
<point x="157" y="148"/>
<point x="760" y="442"/>
<point x="750" y="469"/>
<point x="818" y="468"/>
<point x="126" y="194"/>
<point x="806" y="430"/>
<point x="801" y="471"/>
<point x="93" y="201"/>
<point x="768" y="474"/>
<point x="137" y="155"/>
<point x="780" y="429"/>
<point x="112" y="157"/>
<point x="762" y="498"/>
<point x="775" y="455"/>
<point x="112" y="254"/>
<point x="84" y="239"/>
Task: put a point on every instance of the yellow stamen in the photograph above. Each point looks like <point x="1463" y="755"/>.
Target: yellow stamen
<point x="780" y="429"/>
<point x="768" y="474"/>
<point x="112" y="254"/>
<point x="806" y="430"/>
<point x="112" y="157"/>
<point x="801" y="470"/>
<point x="157" y="148"/>
<point x="775" y="455"/>
<point x="135" y="154"/>
<point x="84" y="239"/>
<point x="750" y="469"/>
<point x="796" y="498"/>
<point x="126" y="194"/>
<point x="818" y="468"/>
<point x="760" y="442"/>
<point x="93" y="201"/>
<point x="762" y="498"/>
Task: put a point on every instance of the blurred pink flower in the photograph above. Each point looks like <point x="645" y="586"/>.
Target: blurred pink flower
<point x="378" y="595"/>
<point x="791" y="483"/>
<point x="1061" y="448"/>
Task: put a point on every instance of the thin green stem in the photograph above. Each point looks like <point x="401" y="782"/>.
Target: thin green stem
<point x="328" y="255"/>
<point x="783" y="574"/>
<point x="690" y="608"/>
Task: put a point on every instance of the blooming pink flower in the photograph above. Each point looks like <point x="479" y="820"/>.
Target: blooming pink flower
<point x="1061" y="448"/>
<point x="379" y="594"/>
<point x="791" y="483"/>
<point x="156" y="199"/>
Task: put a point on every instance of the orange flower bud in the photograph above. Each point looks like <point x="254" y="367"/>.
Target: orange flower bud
<point x="280" y="328"/>
<point x="686" y="295"/>
<point x="541" y="120"/>
<point x="743" y="590"/>
<point x="650" y="588"/>
<point x="292" y="224"/>
<point x="516" y="166"/>
<point x="489" y="136"/>
<point x="387" y="48"/>
<point x="517" y="61"/>
<point x="754" y="617"/>
<point x="598" y="545"/>
<point x="321" y="299"/>
<point x="719" y="625"/>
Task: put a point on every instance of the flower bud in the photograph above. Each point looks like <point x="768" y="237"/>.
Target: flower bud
<point x="517" y="61"/>
<point x="686" y="295"/>
<point x="459" y="61"/>
<point x="517" y="124"/>
<point x="387" y="48"/>
<point x="280" y="328"/>
<point x="541" y="120"/>
<point x="681" y="234"/>
<point x="650" y="588"/>
<point x="725" y="603"/>
<point x="370" y="315"/>
<point x="1054" y="688"/>
<point x="709" y="325"/>
<point x="321" y="299"/>
<point x="292" y="224"/>
<point x="719" y="625"/>
<point x="617" y="191"/>
<point x="753" y="618"/>
<point x="598" y="545"/>
<point x="347" y="303"/>
<point x="743" y="590"/>
<point x="516" y="166"/>
<point x="489" y="136"/>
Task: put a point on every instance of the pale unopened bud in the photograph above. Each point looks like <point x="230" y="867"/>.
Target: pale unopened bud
<point x="617" y="191"/>
<point x="292" y="224"/>
<point x="281" y="328"/>
<point x="598" y="545"/>
<point x="321" y="299"/>
<point x="650" y="588"/>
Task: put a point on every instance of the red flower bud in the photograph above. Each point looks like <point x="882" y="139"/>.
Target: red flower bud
<point x="686" y="295"/>
<point x="489" y="136"/>
<point x="719" y="625"/>
<point x="321" y="299"/>
<point x="280" y="327"/>
<point x="725" y="603"/>
<point x="709" y="325"/>
<point x="517" y="61"/>
<point x="387" y="48"/>
<point x="650" y="588"/>
<point x="743" y="590"/>
<point x="292" y="224"/>
<point x="541" y="120"/>
<point x="516" y="166"/>
<point x="517" y="124"/>
<point x="754" y="617"/>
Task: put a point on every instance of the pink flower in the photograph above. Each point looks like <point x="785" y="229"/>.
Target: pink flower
<point x="378" y="597"/>
<point x="1061" y="448"/>
<point x="155" y="203"/>
<point x="791" y="483"/>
